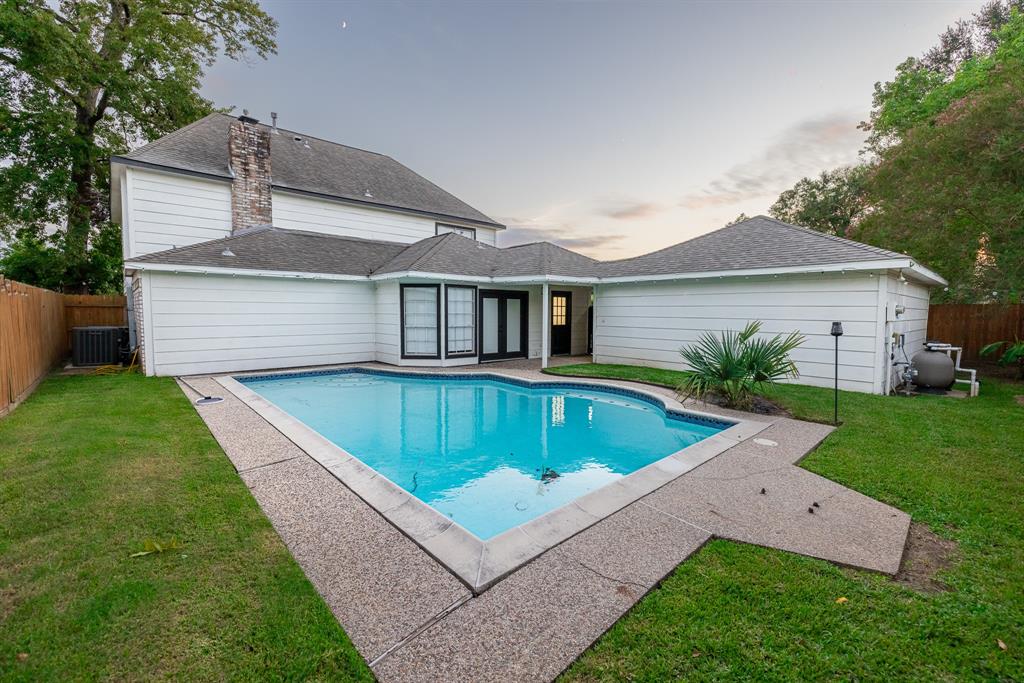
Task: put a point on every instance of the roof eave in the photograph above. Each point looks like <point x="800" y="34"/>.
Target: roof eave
<point x="163" y="168"/>
<point x="868" y="265"/>
<point x="906" y="265"/>
<point x="489" y="279"/>
<point x="133" y="266"/>
<point x="928" y="276"/>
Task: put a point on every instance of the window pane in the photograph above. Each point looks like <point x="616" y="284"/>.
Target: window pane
<point x="558" y="310"/>
<point x="461" y="333"/>
<point x="512" y="326"/>
<point x="458" y="230"/>
<point x="420" y="305"/>
<point x="491" y="326"/>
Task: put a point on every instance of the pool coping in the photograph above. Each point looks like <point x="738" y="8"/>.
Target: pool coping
<point x="477" y="563"/>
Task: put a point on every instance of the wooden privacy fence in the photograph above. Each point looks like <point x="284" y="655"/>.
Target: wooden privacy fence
<point x="93" y="309"/>
<point x="35" y="329"/>
<point x="972" y="326"/>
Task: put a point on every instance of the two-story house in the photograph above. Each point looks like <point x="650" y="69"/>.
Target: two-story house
<point x="250" y="247"/>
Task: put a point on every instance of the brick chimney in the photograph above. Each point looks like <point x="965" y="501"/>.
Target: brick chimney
<point x="249" y="156"/>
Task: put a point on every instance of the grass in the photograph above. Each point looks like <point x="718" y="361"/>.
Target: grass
<point x="92" y="468"/>
<point x="741" y="612"/>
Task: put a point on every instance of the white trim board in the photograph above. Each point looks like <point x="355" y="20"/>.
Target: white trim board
<point x="908" y="265"/>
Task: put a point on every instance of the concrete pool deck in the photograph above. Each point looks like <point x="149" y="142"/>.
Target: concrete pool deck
<point x="415" y="621"/>
<point x="478" y="563"/>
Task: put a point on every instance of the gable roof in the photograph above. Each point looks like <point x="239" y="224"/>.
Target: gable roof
<point x="309" y="165"/>
<point x="547" y="259"/>
<point x="448" y="253"/>
<point x="755" y="243"/>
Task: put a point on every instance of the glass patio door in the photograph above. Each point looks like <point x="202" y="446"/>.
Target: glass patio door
<point x="503" y="324"/>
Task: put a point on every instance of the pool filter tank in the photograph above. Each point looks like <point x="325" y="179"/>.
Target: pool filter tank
<point x="934" y="367"/>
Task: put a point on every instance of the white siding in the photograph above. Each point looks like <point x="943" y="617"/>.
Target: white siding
<point x="646" y="324"/>
<point x="913" y="322"/>
<point x="487" y="236"/>
<point x="205" y="323"/>
<point x="387" y="336"/>
<point x="166" y="210"/>
<point x="161" y="211"/>
<point x="298" y="212"/>
<point x="580" y="304"/>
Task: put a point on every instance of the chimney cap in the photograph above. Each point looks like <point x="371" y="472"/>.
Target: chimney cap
<point x="245" y="118"/>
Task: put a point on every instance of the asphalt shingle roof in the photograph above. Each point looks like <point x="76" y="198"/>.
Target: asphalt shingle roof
<point x="759" y="242"/>
<point x="308" y="164"/>
<point x="276" y="249"/>
<point x="447" y="253"/>
<point x="544" y="258"/>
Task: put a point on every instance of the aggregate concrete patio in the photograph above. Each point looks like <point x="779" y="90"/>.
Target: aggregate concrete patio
<point x="414" y="621"/>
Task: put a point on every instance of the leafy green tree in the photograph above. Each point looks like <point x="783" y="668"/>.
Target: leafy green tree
<point x="924" y="87"/>
<point x="833" y="202"/>
<point x="951" y="191"/>
<point x="83" y="79"/>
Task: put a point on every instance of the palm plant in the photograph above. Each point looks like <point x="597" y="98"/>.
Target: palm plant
<point x="1014" y="352"/>
<point x="736" y="364"/>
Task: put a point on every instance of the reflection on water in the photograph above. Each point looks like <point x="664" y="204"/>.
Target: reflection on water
<point x="487" y="454"/>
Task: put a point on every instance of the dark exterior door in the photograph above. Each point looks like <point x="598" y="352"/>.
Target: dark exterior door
<point x="561" y="323"/>
<point x="503" y="324"/>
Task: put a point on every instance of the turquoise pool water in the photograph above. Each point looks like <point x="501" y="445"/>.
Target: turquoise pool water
<point x="488" y="454"/>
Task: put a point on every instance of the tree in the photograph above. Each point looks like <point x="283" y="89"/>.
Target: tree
<point x="951" y="191"/>
<point x="833" y="202"/>
<point x="83" y="79"/>
<point x="921" y="88"/>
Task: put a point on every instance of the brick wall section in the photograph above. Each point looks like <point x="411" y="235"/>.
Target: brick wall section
<point x="249" y="155"/>
<point x="140" y="330"/>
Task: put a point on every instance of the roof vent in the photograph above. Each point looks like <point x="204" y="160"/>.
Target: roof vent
<point x="367" y="193"/>
<point x="227" y="252"/>
<point x="273" y="117"/>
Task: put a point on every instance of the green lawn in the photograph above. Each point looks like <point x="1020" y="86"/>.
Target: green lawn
<point x="92" y="467"/>
<point x="741" y="612"/>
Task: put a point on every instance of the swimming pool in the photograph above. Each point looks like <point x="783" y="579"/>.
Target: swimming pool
<point x="489" y="454"/>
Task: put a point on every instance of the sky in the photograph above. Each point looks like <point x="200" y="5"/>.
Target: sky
<point x="611" y="128"/>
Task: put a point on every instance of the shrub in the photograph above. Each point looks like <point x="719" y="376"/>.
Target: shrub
<point x="1014" y="353"/>
<point x="736" y="364"/>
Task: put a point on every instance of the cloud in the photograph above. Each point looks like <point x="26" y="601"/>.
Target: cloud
<point x="632" y="210"/>
<point x="525" y="230"/>
<point x="805" y="149"/>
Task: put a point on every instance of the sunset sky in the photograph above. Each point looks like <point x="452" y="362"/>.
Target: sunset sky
<point x="611" y="128"/>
